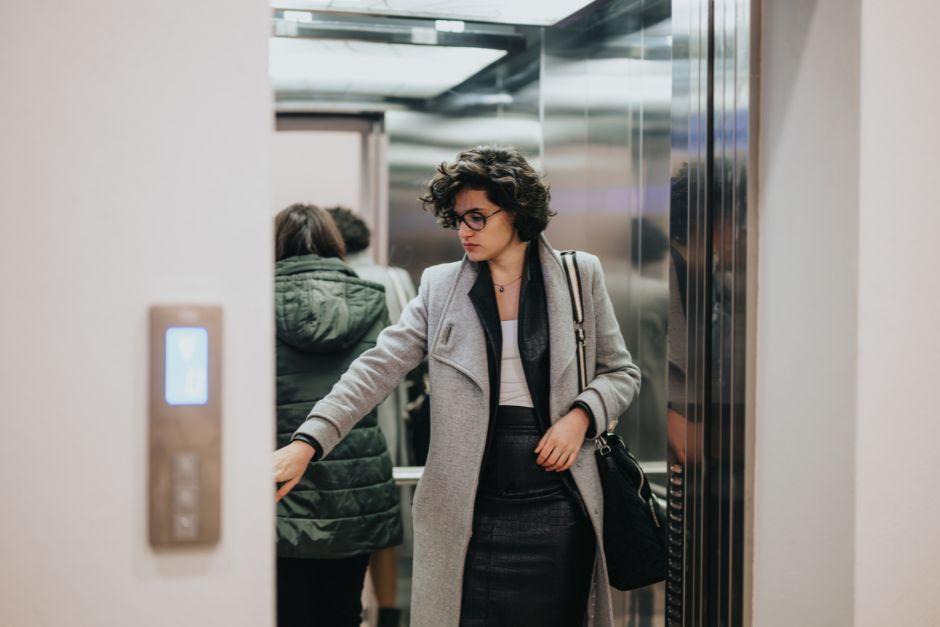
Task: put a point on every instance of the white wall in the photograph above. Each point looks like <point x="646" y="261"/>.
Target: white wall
<point x="897" y="576"/>
<point x="133" y="171"/>
<point x="319" y="167"/>
<point x="807" y="314"/>
<point x="848" y="341"/>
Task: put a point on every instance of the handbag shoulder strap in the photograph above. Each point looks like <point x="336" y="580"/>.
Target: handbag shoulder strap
<point x="570" y="262"/>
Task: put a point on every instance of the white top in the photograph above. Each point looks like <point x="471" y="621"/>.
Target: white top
<point x="513" y="389"/>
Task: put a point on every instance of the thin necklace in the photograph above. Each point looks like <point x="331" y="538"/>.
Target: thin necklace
<point x="503" y="286"/>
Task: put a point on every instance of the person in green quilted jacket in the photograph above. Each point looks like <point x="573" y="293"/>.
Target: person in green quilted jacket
<point x="346" y="505"/>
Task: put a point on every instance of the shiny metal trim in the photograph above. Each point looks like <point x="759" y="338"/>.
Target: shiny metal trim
<point x="305" y="121"/>
<point x="713" y="183"/>
<point x="410" y="475"/>
<point x="374" y="189"/>
<point x="407" y="475"/>
<point x="396" y="30"/>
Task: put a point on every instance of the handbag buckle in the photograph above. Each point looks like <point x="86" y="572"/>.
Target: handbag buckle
<point x="602" y="446"/>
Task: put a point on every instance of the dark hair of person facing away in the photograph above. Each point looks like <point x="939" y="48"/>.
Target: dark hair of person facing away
<point x="506" y="177"/>
<point x="306" y="230"/>
<point x="354" y="230"/>
<point x="648" y="243"/>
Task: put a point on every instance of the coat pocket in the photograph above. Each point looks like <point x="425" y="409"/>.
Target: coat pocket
<point x="446" y="333"/>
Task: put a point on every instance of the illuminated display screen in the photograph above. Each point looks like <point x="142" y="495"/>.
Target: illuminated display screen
<point x="187" y="366"/>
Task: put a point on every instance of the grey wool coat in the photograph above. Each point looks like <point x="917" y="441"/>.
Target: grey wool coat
<point x="441" y="322"/>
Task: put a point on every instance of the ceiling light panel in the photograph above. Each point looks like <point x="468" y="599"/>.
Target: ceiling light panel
<point x="358" y="68"/>
<point x="535" y="12"/>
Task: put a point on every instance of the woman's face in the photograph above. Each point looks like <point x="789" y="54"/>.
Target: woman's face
<point x="498" y="234"/>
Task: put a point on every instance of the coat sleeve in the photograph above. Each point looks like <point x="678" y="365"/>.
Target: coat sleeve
<point x="371" y="377"/>
<point x="616" y="378"/>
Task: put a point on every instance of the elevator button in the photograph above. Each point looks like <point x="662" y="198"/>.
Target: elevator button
<point x="186" y="497"/>
<point x="186" y="466"/>
<point x="185" y="526"/>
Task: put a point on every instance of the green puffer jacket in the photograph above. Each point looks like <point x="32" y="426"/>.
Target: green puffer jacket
<point x="346" y="504"/>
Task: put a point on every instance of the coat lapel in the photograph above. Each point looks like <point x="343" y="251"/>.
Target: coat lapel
<point x="484" y="302"/>
<point x="460" y="341"/>
<point x="560" y="319"/>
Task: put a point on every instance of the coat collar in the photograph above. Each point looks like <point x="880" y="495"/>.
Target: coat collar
<point x="461" y="339"/>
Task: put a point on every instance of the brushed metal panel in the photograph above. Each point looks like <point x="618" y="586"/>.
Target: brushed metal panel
<point x="185" y="440"/>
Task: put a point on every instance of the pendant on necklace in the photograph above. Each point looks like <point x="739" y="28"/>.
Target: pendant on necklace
<point x="501" y="289"/>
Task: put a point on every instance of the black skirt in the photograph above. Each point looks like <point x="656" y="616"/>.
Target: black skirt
<point x="531" y="554"/>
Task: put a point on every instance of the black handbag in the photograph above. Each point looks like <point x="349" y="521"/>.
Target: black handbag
<point x="634" y="525"/>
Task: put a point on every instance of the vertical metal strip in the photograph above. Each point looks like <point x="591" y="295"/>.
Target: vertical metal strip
<point x="712" y="149"/>
<point x="375" y="166"/>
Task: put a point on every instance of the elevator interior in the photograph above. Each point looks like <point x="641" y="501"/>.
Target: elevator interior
<point x="603" y="98"/>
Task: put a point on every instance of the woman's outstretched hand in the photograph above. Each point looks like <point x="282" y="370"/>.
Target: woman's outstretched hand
<point x="558" y="449"/>
<point x="290" y="462"/>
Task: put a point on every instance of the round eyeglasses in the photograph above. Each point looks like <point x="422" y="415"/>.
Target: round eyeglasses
<point x="474" y="219"/>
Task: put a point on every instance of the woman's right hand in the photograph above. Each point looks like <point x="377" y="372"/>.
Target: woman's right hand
<point x="290" y="463"/>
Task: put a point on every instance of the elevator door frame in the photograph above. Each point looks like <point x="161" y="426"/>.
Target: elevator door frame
<point x="373" y="184"/>
<point x="713" y="235"/>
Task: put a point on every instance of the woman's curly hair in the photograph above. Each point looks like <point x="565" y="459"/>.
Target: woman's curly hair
<point x="506" y="177"/>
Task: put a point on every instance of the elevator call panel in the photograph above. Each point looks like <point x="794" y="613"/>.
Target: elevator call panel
<point x="185" y="425"/>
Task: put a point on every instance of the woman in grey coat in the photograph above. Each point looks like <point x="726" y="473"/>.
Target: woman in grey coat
<point x="508" y="513"/>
